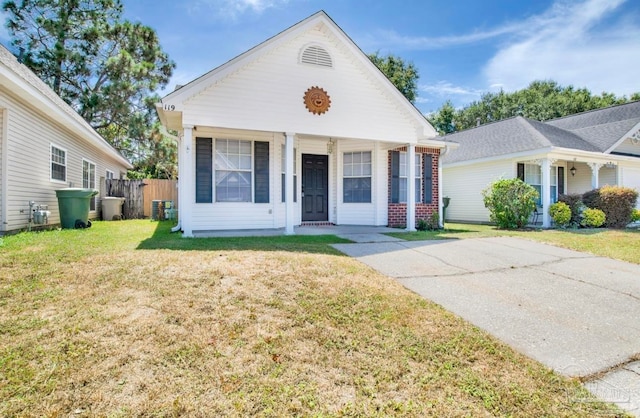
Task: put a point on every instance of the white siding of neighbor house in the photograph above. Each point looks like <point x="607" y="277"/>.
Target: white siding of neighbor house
<point x="630" y="177"/>
<point x="581" y="182"/>
<point x="628" y="147"/>
<point x="3" y="186"/>
<point x="267" y="95"/>
<point x="464" y="185"/>
<point x="29" y="138"/>
<point x="607" y="176"/>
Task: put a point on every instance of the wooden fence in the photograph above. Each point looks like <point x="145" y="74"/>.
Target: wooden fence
<point x="139" y="195"/>
<point x="155" y="189"/>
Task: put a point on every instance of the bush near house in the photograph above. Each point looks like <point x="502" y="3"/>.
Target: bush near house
<point x="574" y="201"/>
<point x="616" y="202"/>
<point x="593" y="218"/>
<point x="561" y="214"/>
<point x="510" y="202"/>
<point x="430" y="224"/>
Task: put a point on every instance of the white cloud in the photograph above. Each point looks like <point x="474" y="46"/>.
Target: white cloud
<point x="567" y="44"/>
<point x="447" y="91"/>
<point x="232" y="9"/>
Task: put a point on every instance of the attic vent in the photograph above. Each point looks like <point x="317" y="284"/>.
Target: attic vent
<point x="316" y="55"/>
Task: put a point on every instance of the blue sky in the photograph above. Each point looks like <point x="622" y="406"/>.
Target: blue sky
<point x="462" y="48"/>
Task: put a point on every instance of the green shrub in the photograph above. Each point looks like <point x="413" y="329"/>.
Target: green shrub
<point x="591" y="199"/>
<point x="560" y="213"/>
<point x="616" y="202"/>
<point x="593" y="218"/>
<point x="430" y="224"/>
<point x="510" y="202"/>
<point x="574" y="201"/>
<point x="635" y="215"/>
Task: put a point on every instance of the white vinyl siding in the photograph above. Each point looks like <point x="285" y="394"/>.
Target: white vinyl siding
<point x="361" y="106"/>
<point x="465" y="190"/>
<point x="30" y="135"/>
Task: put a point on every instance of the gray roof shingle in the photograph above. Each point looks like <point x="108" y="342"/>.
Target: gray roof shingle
<point x="595" y="131"/>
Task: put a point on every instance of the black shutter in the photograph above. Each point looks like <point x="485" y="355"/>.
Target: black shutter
<point x="521" y="171"/>
<point x="395" y="176"/>
<point x="204" y="178"/>
<point x="560" y="180"/>
<point x="261" y="171"/>
<point x="427" y="184"/>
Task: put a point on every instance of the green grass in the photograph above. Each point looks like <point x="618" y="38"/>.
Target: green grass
<point x="619" y="244"/>
<point x="127" y="319"/>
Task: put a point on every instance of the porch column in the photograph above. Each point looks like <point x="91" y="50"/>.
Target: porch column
<point x="186" y="181"/>
<point x="545" y="166"/>
<point x="288" y="184"/>
<point x="411" y="187"/>
<point x="595" y="170"/>
<point x="443" y="151"/>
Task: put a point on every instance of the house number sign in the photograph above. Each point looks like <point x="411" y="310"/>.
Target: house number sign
<point x="316" y="100"/>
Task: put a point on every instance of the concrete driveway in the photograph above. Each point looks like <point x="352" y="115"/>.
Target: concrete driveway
<point x="576" y="313"/>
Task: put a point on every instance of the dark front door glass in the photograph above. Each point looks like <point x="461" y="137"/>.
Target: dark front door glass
<point x="315" y="187"/>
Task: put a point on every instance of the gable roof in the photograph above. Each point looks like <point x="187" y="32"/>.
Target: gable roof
<point x="592" y="131"/>
<point x="602" y="127"/>
<point x="178" y="97"/>
<point x="21" y="80"/>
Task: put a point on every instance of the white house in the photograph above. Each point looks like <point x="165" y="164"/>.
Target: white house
<point x="569" y="155"/>
<point x="301" y="129"/>
<point x="44" y="146"/>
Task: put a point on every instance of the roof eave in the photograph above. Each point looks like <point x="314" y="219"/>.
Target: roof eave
<point x="30" y="94"/>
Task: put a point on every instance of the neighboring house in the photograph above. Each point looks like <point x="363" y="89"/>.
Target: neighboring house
<point x="569" y="155"/>
<point x="301" y="129"/>
<point x="44" y="145"/>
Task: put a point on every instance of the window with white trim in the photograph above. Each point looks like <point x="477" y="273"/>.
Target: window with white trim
<point x="110" y="175"/>
<point x="282" y="174"/>
<point x="404" y="169"/>
<point x="58" y="164"/>
<point x="233" y="170"/>
<point x="356" y="173"/>
<point x="89" y="180"/>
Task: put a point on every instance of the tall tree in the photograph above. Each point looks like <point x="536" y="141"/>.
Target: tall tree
<point x="541" y="100"/>
<point x="403" y="75"/>
<point x="443" y="119"/>
<point x="105" y="67"/>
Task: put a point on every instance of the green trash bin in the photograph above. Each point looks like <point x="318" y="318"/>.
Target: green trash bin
<point x="74" y="205"/>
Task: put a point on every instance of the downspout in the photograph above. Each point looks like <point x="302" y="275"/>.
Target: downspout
<point x="176" y="139"/>
<point x="443" y="152"/>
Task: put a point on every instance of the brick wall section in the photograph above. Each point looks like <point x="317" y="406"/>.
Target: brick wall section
<point x="397" y="216"/>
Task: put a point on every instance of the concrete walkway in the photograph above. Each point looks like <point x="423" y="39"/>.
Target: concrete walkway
<point x="576" y="313"/>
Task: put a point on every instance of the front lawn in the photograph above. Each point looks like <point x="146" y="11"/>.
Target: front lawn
<point x="125" y="319"/>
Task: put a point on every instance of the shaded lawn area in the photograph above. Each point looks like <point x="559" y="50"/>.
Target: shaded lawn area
<point x="614" y="243"/>
<point x="126" y="319"/>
